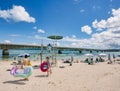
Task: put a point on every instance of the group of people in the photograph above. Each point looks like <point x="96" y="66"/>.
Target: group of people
<point x="99" y="59"/>
<point x="26" y="62"/>
<point x="89" y="60"/>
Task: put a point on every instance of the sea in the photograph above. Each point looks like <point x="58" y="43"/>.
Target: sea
<point x="35" y="54"/>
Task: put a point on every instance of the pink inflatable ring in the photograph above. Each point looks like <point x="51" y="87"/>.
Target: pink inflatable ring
<point x="44" y="66"/>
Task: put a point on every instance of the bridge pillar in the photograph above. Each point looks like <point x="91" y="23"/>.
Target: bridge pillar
<point x="90" y="51"/>
<point x="59" y="52"/>
<point x="80" y="51"/>
<point x="5" y="52"/>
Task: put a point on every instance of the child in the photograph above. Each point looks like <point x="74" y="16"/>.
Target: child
<point x="26" y="62"/>
<point x="49" y="71"/>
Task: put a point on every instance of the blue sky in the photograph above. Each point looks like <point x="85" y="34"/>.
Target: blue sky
<point x="82" y="23"/>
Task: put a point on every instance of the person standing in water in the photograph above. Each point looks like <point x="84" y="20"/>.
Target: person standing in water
<point x="26" y="62"/>
<point x="49" y="71"/>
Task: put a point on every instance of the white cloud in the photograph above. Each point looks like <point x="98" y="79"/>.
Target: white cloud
<point x="7" y="41"/>
<point x="41" y="31"/>
<point x="87" y="29"/>
<point x="106" y="39"/>
<point x="69" y="39"/>
<point x="73" y="36"/>
<point x="74" y="44"/>
<point x="37" y="37"/>
<point x="40" y="38"/>
<point x="111" y="22"/>
<point x="109" y="37"/>
<point x="33" y="43"/>
<point x="58" y="44"/>
<point x="116" y="12"/>
<point x="17" y="14"/>
<point x="99" y="25"/>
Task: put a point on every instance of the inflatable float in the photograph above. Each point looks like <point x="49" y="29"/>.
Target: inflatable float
<point x="44" y="66"/>
<point x="24" y="73"/>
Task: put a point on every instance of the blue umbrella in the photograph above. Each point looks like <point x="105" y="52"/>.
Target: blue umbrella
<point x="23" y="55"/>
<point x="89" y="55"/>
<point x="102" y="55"/>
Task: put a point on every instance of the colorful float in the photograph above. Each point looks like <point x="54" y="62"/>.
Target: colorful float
<point x="44" y="67"/>
<point x="24" y="73"/>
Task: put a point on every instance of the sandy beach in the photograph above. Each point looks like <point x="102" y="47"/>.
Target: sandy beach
<point x="78" y="77"/>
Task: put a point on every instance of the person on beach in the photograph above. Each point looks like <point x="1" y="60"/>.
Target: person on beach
<point x="114" y="58"/>
<point x="26" y="62"/>
<point x="49" y="71"/>
<point x="71" y="60"/>
<point x="109" y="59"/>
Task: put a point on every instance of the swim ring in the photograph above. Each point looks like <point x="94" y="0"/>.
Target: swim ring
<point x="44" y="67"/>
<point x="26" y="72"/>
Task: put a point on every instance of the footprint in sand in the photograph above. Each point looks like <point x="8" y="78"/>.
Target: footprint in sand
<point x="16" y="87"/>
<point x="106" y="74"/>
<point x="60" y="82"/>
<point x="52" y="83"/>
<point x="49" y="82"/>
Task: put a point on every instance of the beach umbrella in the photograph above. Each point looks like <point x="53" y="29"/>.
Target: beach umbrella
<point x="89" y="55"/>
<point x="23" y="55"/>
<point x="102" y="55"/>
<point x="55" y="37"/>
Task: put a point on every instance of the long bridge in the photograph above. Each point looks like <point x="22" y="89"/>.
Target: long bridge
<point x="5" y="48"/>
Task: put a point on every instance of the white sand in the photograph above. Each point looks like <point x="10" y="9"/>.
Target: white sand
<point x="78" y="77"/>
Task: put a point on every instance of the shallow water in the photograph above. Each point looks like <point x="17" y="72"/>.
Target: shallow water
<point x="35" y="54"/>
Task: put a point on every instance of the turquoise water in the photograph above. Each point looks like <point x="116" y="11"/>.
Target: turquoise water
<point x="35" y="54"/>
